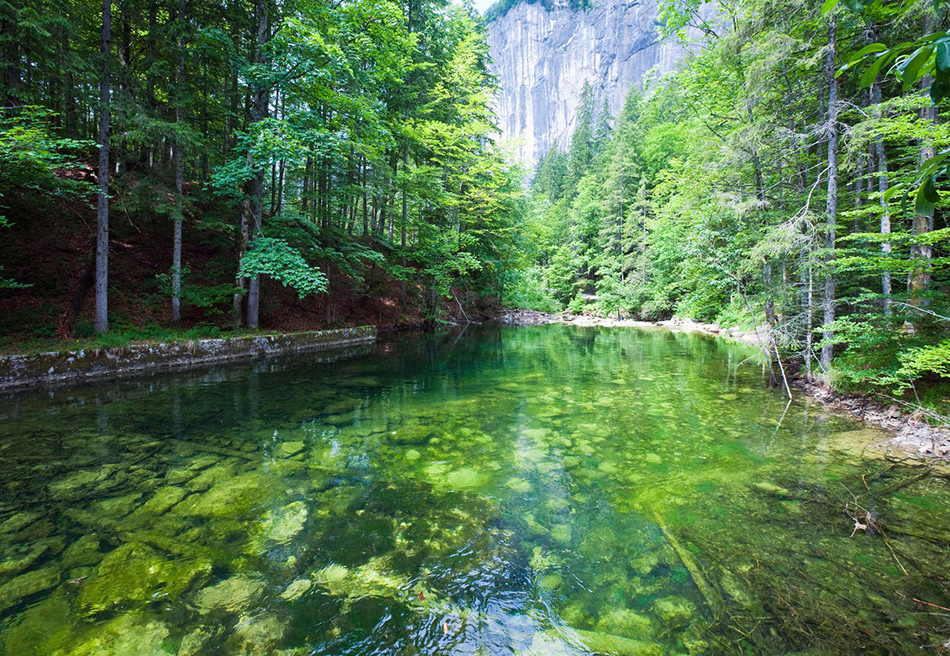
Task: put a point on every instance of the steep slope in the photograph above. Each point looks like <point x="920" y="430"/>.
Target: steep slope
<point x="542" y="58"/>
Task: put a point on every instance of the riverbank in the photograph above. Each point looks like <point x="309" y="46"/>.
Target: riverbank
<point x="80" y="365"/>
<point x="535" y="318"/>
<point x="912" y="432"/>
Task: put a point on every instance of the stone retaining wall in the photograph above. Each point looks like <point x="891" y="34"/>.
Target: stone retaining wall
<point x="20" y="371"/>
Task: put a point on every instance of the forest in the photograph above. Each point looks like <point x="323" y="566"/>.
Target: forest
<point x="342" y="150"/>
<point x="192" y="165"/>
<point x="788" y="175"/>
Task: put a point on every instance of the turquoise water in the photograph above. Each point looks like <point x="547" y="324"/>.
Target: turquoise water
<point x="543" y="490"/>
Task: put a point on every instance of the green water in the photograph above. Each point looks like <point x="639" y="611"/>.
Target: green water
<point x="545" y="490"/>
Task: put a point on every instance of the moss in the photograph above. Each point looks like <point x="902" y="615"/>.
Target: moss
<point x="231" y="595"/>
<point x="136" y="574"/>
<point x="126" y="635"/>
<point x="25" y="585"/>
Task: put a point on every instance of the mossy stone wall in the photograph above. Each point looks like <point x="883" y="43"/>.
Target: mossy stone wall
<point x="20" y="371"/>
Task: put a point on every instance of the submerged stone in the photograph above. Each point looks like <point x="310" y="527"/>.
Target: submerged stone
<point x="674" y="612"/>
<point x="84" y="551"/>
<point x="135" y="573"/>
<point x="257" y="635"/>
<point x="232" y="497"/>
<point x="230" y="595"/>
<point x="18" y="521"/>
<point x="626" y="622"/>
<point x="21" y="557"/>
<point x="193" y="644"/>
<point x="296" y="589"/>
<point x="289" y="449"/>
<point x="17" y="589"/>
<point x="68" y="486"/>
<point x="281" y="525"/>
<point x="737" y="589"/>
<point x="519" y="485"/>
<point x="372" y="579"/>
<point x="126" y="635"/>
<point x="561" y="533"/>
<point x="412" y="435"/>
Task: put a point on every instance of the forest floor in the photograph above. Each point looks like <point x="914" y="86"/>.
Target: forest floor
<point x="913" y="431"/>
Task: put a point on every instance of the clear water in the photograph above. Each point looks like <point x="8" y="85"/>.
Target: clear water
<point x="544" y="490"/>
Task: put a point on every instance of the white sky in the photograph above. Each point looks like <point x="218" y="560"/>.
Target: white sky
<point x="482" y="5"/>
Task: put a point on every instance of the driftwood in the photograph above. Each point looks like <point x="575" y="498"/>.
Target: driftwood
<point x="712" y="596"/>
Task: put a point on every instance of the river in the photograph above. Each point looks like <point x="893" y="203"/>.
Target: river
<point x="548" y="490"/>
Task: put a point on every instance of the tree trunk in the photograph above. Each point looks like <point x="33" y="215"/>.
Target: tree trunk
<point x="883" y="185"/>
<point x="179" y="162"/>
<point x="831" y="205"/>
<point x="918" y="280"/>
<point x="258" y="113"/>
<point x="405" y="218"/>
<point x="102" y="214"/>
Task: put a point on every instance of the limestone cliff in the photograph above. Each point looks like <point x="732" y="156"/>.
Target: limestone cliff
<point x="542" y="58"/>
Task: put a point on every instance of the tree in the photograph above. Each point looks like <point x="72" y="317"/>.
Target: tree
<point x="102" y="214"/>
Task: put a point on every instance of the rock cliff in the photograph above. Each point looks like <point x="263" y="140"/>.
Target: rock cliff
<point x="542" y="58"/>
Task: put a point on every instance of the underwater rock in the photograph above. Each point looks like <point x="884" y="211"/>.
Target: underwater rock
<point x="412" y="434"/>
<point x="548" y="643"/>
<point x="233" y="497"/>
<point x="626" y="622"/>
<point x="551" y="581"/>
<point x="222" y="472"/>
<point x="17" y="589"/>
<point x="370" y="580"/>
<point x="161" y="502"/>
<point x="519" y="485"/>
<point x="340" y="407"/>
<point x="534" y="526"/>
<point x="296" y="589"/>
<point x="608" y="468"/>
<point x="135" y="573"/>
<point x="84" y="551"/>
<point x="279" y="526"/>
<point x="18" y="521"/>
<point x="116" y="507"/>
<point x="412" y="455"/>
<point x="126" y="635"/>
<point x="561" y="533"/>
<point x="606" y="643"/>
<point x="645" y="562"/>
<point x="37" y="627"/>
<point x="464" y="479"/>
<point x="570" y="462"/>
<point x="256" y="636"/>
<point x="67" y="487"/>
<point x="193" y="644"/>
<point x="737" y="589"/>
<point x="674" y="612"/>
<point x="20" y="557"/>
<point x="230" y="595"/>
<point x="289" y="449"/>
<point x="771" y="489"/>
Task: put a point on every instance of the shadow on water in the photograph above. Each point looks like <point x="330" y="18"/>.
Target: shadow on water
<point x="548" y="490"/>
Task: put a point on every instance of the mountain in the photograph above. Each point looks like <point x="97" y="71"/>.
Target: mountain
<point x="542" y="57"/>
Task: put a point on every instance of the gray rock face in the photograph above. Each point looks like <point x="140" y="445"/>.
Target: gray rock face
<point x="542" y="59"/>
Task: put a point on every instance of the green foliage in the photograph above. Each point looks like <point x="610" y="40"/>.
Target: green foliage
<point x="193" y="294"/>
<point x="31" y="156"/>
<point x="528" y="289"/>
<point x="277" y="259"/>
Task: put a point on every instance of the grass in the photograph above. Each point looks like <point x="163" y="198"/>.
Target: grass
<point x="120" y="335"/>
